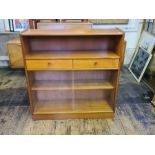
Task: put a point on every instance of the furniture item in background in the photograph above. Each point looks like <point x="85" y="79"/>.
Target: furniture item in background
<point x="139" y="63"/>
<point x="15" y="53"/>
<point x="142" y="55"/>
<point x="64" y="25"/>
<point x="74" y="20"/>
<point x="72" y="73"/>
<point x="5" y="37"/>
<point x="109" y="21"/>
<point x="34" y="22"/>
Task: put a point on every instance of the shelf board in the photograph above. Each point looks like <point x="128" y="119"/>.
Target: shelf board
<point x="72" y="32"/>
<point x="72" y="55"/>
<point x="52" y="85"/>
<point x="67" y="106"/>
<point x="69" y="85"/>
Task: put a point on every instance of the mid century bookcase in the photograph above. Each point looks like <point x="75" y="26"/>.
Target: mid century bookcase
<point x="72" y="73"/>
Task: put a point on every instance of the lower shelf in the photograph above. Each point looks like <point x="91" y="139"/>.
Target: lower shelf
<point x="68" y="109"/>
<point x="67" y="85"/>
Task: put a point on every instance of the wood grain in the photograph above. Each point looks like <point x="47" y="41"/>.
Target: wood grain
<point x="63" y="110"/>
<point x="71" y="32"/>
<point x="15" y="53"/>
<point x="109" y="21"/>
<point x="72" y="55"/>
<point x="67" y="85"/>
<point x="96" y="64"/>
<point x="58" y="26"/>
<point x="66" y="106"/>
<point x="48" y="64"/>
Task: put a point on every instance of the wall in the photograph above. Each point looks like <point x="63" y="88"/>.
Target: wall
<point x="132" y="34"/>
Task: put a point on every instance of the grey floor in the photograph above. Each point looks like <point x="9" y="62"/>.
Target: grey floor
<point x="134" y="115"/>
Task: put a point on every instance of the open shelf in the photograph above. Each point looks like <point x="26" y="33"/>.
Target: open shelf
<point x="71" y="80"/>
<point x="71" y="55"/>
<point x="66" y="106"/>
<point x="61" y="104"/>
<point x="67" y="85"/>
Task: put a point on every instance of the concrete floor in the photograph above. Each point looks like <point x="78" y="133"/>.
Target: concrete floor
<point x="134" y="115"/>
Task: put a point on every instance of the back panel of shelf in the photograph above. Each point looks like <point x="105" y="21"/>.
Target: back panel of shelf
<point x="72" y="80"/>
<point x="46" y="45"/>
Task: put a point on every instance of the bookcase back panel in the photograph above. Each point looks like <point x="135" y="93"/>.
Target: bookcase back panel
<point x="72" y="43"/>
<point x="70" y="95"/>
<point x="94" y="74"/>
<point x="73" y="76"/>
<point x="91" y="94"/>
<point x="53" y="95"/>
<point x="52" y="75"/>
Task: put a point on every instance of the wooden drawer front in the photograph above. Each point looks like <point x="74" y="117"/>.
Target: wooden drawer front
<point x="48" y="64"/>
<point x="96" y="64"/>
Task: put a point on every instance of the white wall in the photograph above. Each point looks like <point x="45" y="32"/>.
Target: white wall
<point x="132" y="34"/>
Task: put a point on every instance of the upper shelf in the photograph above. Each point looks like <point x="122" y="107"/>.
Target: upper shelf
<point x="71" y="32"/>
<point x="72" y="55"/>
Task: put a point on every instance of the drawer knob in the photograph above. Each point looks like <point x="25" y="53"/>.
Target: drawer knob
<point x="95" y="63"/>
<point x="49" y="63"/>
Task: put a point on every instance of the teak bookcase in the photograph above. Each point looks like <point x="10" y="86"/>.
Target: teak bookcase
<point x="72" y="73"/>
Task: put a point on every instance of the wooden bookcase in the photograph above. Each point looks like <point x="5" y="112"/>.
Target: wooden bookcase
<point x="72" y="73"/>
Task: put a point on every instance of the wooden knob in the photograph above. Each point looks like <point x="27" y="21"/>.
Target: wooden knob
<point x="49" y="63"/>
<point x="95" y="63"/>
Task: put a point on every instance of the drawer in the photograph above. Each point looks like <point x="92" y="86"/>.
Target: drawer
<point x="96" y="64"/>
<point x="48" y="64"/>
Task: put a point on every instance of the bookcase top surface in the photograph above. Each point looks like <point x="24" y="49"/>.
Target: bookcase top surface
<point x="71" y="32"/>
